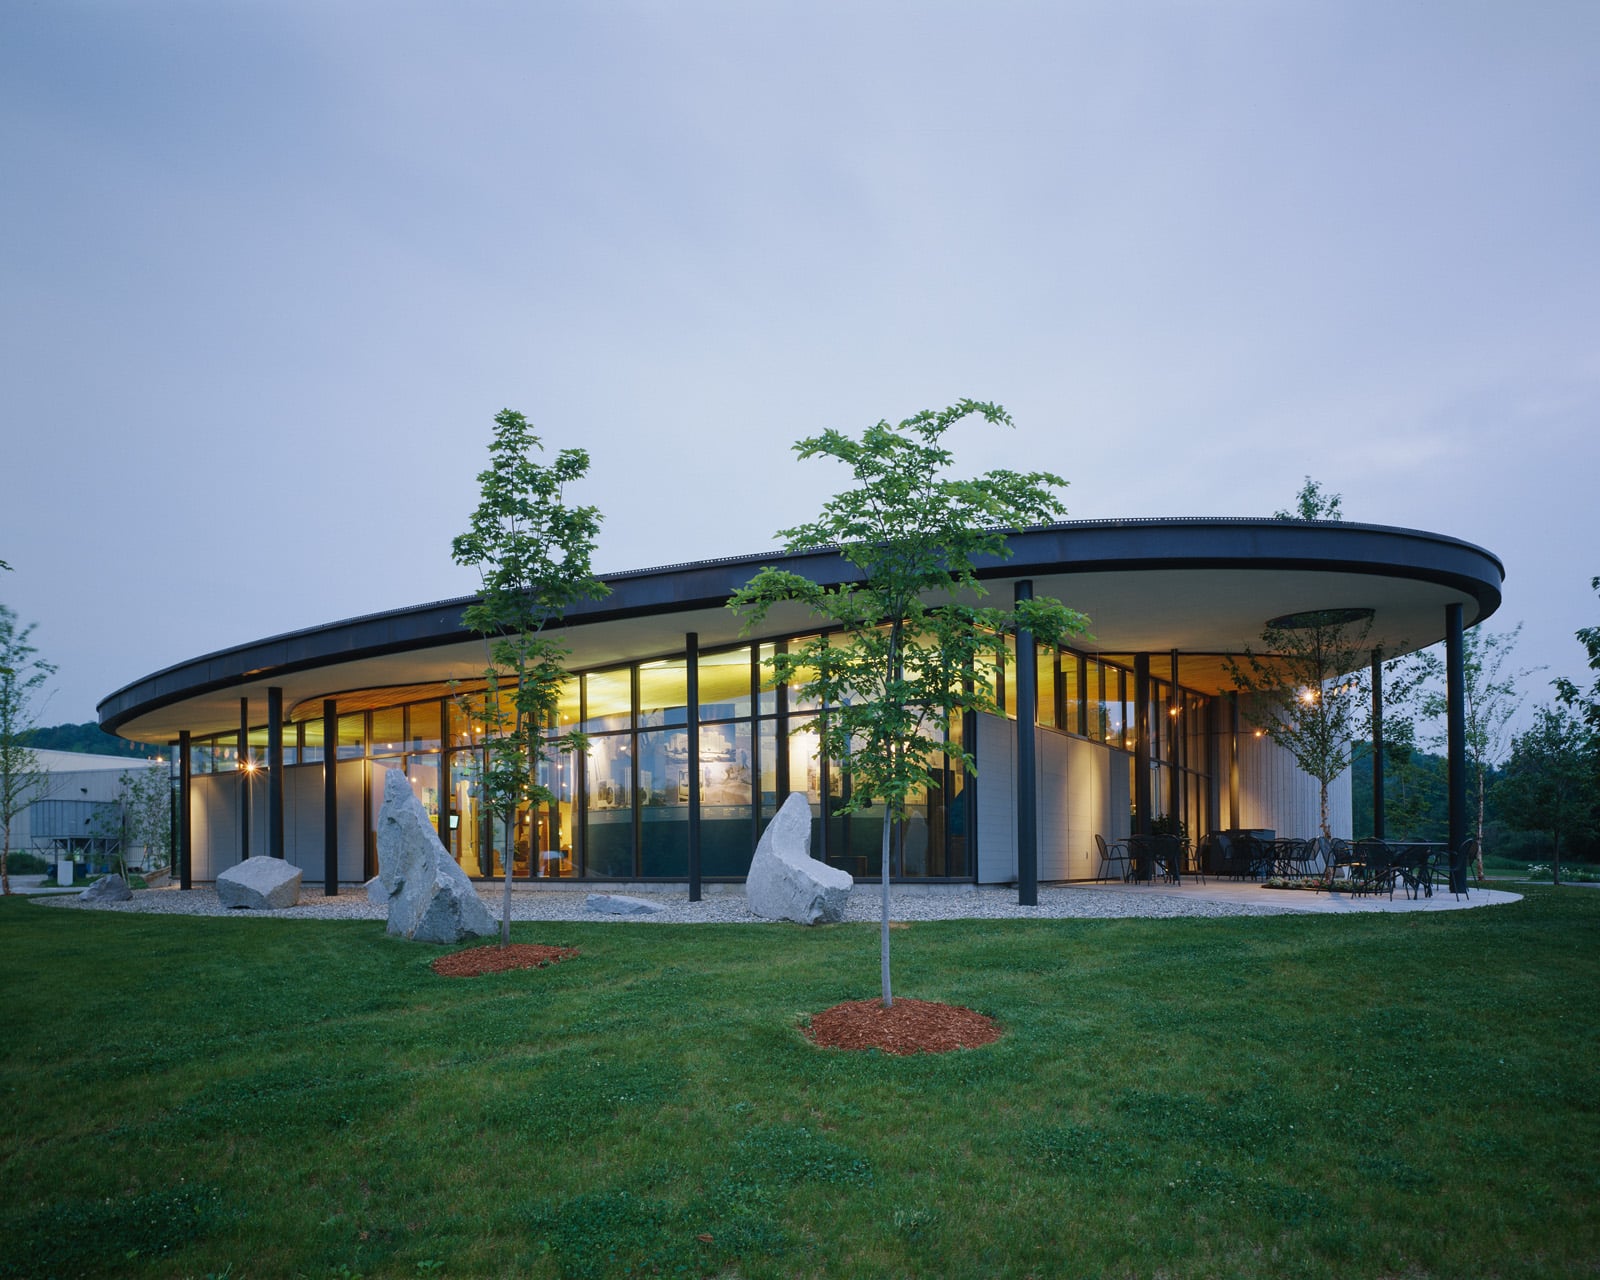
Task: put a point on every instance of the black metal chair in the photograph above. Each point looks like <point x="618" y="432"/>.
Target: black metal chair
<point x="1373" y="864"/>
<point x="1111" y="854"/>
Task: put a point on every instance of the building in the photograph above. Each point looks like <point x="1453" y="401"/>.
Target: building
<point x="77" y="815"/>
<point x="281" y="740"/>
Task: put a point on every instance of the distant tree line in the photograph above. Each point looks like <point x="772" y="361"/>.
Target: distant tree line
<point x="88" y="739"/>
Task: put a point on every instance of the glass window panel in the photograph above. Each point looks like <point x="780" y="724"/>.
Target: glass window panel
<point x="608" y="804"/>
<point x="567" y="710"/>
<point x="767" y="699"/>
<point x="352" y="735"/>
<point x="767" y="754"/>
<point x="423" y="774"/>
<point x="664" y="692"/>
<point x="1046" y="655"/>
<point x="422" y="727"/>
<point x="726" y="787"/>
<point x="311" y="742"/>
<point x="224" y="753"/>
<point x="801" y="676"/>
<point x="1071" y="694"/>
<point x="467" y="839"/>
<point x="609" y="696"/>
<point x="388" y="731"/>
<point x="724" y="684"/>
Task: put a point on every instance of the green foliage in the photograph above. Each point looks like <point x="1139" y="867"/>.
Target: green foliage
<point x="907" y="633"/>
<point x="1549" y="782"/>
<point x="146" y="798"/>
<point x="1313" y="502"/>
<point x="22" y="780"/>
<point x="532" y="550"/>
<point x="1415" y="788"/>
<point x="1585" y="704"/>
<point x="91" y="739"/>
<point x="1306" y="692"/>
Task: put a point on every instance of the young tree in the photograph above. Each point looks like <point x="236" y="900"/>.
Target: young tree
<point x="147" y="805"/>
<point x="889" y="684"/>
<point x="1548" y="783"/>
<point x="1587" y="704"/>
<point x="532" y="551"/>
<point x="22" y="780"/>
<point x="1308" y="691"/>
<point x="1313" y="502"/>
<point x="1492" y="699"/>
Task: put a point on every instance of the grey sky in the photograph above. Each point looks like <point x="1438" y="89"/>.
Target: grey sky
<point x="269" y="270"/>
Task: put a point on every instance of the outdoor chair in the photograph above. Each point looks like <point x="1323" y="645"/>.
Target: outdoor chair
<point x="1111" y="855"/>
<point x="1374" y="865"/>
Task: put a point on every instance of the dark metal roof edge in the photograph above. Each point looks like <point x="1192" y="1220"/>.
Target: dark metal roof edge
<point x="111" y="716"/>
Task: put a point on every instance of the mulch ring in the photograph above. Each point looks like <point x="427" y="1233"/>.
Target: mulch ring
<point x="498" y="959"/>
<point x="907" y="1026"/>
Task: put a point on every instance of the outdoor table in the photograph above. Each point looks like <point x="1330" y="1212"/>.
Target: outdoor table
<point x="1417" y="860"/>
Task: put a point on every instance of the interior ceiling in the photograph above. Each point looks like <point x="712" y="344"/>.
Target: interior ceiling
<point x="1200" y="612"/>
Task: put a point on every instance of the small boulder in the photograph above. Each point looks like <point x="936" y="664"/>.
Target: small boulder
<point x="112" y="888"/>
<point x="430" y="898"/>
<point x="785" y="881"/>
<point x="620" y="904"/>
<point x="260" y="884"/>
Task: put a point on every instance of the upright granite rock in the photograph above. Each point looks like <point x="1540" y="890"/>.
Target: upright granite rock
<point x="785" y="881"/>
<point x="430" y="898"/>
<point x="111" y="888"/>
<point x="260" y="884"/>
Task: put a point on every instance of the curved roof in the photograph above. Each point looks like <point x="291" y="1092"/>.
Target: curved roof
<point x="1197" y="585"/>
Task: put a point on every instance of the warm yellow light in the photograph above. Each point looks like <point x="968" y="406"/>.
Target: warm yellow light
<point x="1173" y="713"/>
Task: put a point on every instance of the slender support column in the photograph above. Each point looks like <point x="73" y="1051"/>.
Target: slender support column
<point x="185" y="814"/>
<point x="1233" y="760"/>
<point x="330" y="797"/>
<point x="1141" y="743"/>
<point x="1456" y="736"/>
<point x="245" y="769"/>
<point x="1377" y="744"/>
<point x="1027" y="773"/>
<point x="275" y="772"/>
<point x="691" y="644"/>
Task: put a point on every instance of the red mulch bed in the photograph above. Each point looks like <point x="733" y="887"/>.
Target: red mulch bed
<point x="907" y="1026"/>
<point x="497" y="959"/>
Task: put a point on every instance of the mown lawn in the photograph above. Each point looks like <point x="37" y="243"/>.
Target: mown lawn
<point x="1385" y="1096"/>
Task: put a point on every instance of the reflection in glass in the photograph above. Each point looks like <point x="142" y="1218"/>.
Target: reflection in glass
<point x="725" y="684"/>
<point x="352" y="735"/>
<point x="388" y="731"/>
<point x="608" y="806"/>
<point x="422" y="727"/>
<point x="609" y="697"/>
<point x="663" y="692"/>
<point x="725" y="799"/>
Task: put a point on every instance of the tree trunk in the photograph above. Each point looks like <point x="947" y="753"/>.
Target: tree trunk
<point x="5" y="860"/>
<point x="1477" y="866"/>
<point x="1322" y="796"/>
<point x="1555" y="859"/>
<point x="510" y="856"/>
<point x="888" y="823"/>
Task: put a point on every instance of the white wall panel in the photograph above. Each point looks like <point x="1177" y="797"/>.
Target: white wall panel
<point x="997" y="804"/>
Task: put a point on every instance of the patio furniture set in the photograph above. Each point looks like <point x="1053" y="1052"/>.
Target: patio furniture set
<point x="1367" y="866"/>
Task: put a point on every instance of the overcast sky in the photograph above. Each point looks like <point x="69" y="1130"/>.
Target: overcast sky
<point x="269" y="269"/>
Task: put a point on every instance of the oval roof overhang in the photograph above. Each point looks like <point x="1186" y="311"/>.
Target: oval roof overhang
<point x="1199" y="586"/>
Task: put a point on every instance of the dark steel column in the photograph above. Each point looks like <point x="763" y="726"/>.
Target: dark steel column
<point x="185" y="814"/>
<point x="1456" y="736"/>
<point x="275" y="772"/>
<point x="1027" y="769"/>
<point x="330" y="797"/>
<point x="1141" y="743"/>
<point x="243" y="766"/>
<point x="1377" y="744"/>
<point x="691" y="645"/>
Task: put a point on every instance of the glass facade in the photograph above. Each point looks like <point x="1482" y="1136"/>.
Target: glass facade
<point x="621" y="809"/>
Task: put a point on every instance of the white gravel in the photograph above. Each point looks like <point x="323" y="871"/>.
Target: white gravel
<point x="956" y="902"/>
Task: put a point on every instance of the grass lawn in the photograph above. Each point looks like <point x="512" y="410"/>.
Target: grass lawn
<point x="1373" y="1095"/>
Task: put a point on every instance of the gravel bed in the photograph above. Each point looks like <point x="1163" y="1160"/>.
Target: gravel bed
<point x="1078" y="903"/>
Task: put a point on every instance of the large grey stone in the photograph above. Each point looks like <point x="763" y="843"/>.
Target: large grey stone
<point x="111" y="888"/>
<point x="430" y="897"/>
<point x="785" y="881"/>
<point x="260" y="884"/>
<point x="620" y="904"/>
